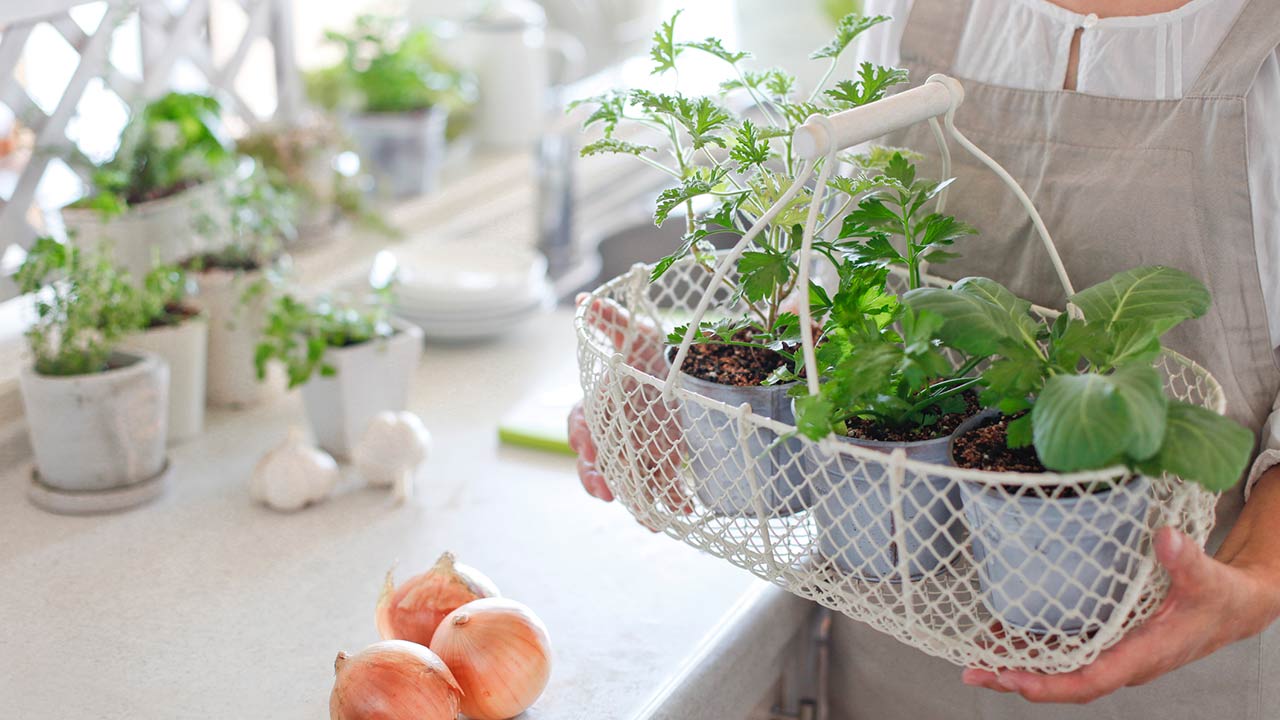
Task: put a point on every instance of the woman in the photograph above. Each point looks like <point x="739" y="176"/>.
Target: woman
<point x="1145" y="131"/>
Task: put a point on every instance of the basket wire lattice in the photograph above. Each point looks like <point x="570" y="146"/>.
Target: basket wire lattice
<point x="986" y="570"/>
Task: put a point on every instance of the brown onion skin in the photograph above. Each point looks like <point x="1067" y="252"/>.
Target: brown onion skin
<point x="393" y="680"/>
<point x="414" y="610"/>
<point x="500" y="653"/>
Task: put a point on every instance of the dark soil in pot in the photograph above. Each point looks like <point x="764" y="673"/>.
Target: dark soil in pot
<point x="214" y="261"/>
<point x="987" y="448"/>
<point x="866" y="429"/>
<point x="732" y="364"/>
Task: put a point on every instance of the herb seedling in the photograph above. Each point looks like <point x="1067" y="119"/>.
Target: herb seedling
<point x="260" y="218"/>
<point x="170" y="145"/>
<point x="84" y="304"/>
<point x="1087" y="389"/>
<point x="299" y="334"/>
<point x="741" y="165"/>
<point x="880" y="361"/>
<point x="389" y="68"/>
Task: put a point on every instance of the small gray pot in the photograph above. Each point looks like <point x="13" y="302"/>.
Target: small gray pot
<point x="1055" y="566"/>
<point x="778" y="486"/>
<point x="853" y="511"/>
<point x="404" y="150"/>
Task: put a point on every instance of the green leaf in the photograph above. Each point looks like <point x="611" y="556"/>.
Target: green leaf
<point x="872" y="84"/>
<point x="672" y="198"/>
<point x="612" y="146"/>
<point x="1080" y="422"/>
<point x="749" y="148"/>
<point x="713" y="46"/>
<point x="762" y="274"/>
<point x="1142" y="391"/>
<point x="981" y="317"/>
<point x="665" y="50"/>
<point x="813" y="416"/>
<point x="1203" y="447"/>
<point x="1018" y="433"/>
<point x="1155" y="294"/>
<point x="849" y="28"/>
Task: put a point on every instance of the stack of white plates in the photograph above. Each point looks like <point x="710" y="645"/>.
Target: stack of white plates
<point x="457" y="292"/>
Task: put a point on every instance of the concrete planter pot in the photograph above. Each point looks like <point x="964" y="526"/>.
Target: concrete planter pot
<point x="184" y="348"/>
<point x="101" y="432"/>
<point x="853" y="511"/>
<point x="163" y="231"/>
<point x="235" y="326"/>
<point x="371" y="377"/>
<point x="1054" y="566"/>
<point x="404" y="150"/>
<point x="776" y="484"/>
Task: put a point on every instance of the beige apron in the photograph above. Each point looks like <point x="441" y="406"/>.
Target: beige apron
<point x="1120" y="183"/>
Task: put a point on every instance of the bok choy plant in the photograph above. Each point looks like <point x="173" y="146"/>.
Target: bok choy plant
<point x="1085" y="391"/>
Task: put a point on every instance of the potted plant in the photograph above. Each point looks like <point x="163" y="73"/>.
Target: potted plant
<point x="886" y="384"/>
<point x="741" y="165"/>
<point x="394" y="91"/>
<point x="1078" y="394"/>
<point x="234" y="286"/>
<point x="96" y="416"/>
<point x="352" y="360"/>
<point x="172" y="329"/>
<point x="310" y="162"/>
<point x="164" y="173"/>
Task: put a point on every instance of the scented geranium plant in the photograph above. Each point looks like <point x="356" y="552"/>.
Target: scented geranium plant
<point x="170" y="145"/>
<point x="1083" y="392"/>
<point x="741" y="164"/>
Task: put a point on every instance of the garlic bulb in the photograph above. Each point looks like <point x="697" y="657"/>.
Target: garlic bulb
<point x="293" y="475"/>
<point x="393" y="447"/>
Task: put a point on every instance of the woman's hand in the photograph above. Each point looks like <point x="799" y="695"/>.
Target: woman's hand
<point x="1211" y="604"/>
<point x="652" y="427"/>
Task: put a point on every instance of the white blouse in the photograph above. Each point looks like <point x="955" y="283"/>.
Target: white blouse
<point x="1025" y="44"/>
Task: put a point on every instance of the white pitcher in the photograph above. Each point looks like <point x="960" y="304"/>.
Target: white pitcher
<point x="509" y="47"/>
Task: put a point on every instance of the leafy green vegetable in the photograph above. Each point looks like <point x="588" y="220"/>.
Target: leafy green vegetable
<point x="1094" y="397"/>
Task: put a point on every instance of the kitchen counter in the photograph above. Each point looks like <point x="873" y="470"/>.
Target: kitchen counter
<point x="205" y="605"/>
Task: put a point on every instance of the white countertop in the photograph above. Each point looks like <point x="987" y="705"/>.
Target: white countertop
<point x="206" y="605"/>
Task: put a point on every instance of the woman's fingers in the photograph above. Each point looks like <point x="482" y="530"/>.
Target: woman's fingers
<point x="639" y="341"/>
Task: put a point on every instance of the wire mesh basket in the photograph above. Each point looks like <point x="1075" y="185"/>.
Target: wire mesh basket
<point x="987" y="570"/>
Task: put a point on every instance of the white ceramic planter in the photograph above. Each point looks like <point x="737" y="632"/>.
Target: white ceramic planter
<point x="403" y="150"/>
<point x="184" y="348"/>
<point x="163" y="231"/>
<point x="371" y="378"/>
<point x="235" y="326"/>
<point x="99" y="432"/>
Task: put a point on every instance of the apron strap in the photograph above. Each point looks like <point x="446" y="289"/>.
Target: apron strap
<point x="932" y="36"/>
<point x="1235" y="65"/>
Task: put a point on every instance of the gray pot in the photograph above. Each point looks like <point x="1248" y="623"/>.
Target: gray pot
<point x="101" y="431"/>
<point x="853" y="511"/>
<point x="1055" y="566"/>
<point x="404" y="150"/>
<point x="716" y="463"/>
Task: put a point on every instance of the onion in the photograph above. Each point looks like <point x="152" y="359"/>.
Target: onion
<point x="500" y="654"/>
<point x="393" y="680"/>
<point x="414" y="610"/>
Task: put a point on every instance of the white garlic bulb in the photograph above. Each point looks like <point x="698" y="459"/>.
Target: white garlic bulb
<point x="293" y="475"/>
<point x="391" y="450"/>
